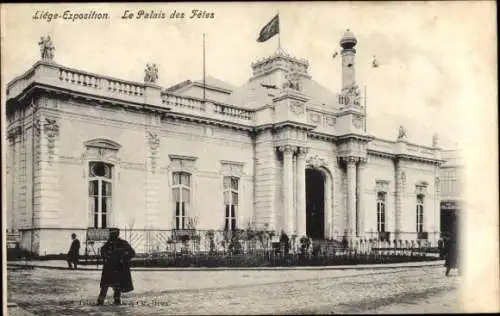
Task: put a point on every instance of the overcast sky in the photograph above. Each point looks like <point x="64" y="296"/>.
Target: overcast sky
<point x="433" y="57"/>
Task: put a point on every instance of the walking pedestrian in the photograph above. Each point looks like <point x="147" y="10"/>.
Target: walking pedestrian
<point x="73" y="253"/>
<point x="451" y="255"/>
<point x="116" y="255"/>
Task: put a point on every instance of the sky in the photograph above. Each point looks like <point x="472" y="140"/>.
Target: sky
<point x="431" y="57"/>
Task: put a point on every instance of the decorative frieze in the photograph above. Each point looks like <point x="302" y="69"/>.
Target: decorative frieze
<point x="287" y="149"/>
<point x="182" y="163"/>
<point x="331" y="120"/>
<point x="316" y="161"/>
<point x="421" y="188"/>
<point x="357" y="121"/>
<point x="51" y="129"/>
<point x="382" y="186"/>
<point x="297" y="107"/>
<point x="232" y="168"/>
<point x="101" y="149"/>
<point x="154" y="145"/>
<point x="314" y="117"/>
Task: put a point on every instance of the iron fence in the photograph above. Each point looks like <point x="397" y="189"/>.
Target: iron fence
<point x="190" y="241"/>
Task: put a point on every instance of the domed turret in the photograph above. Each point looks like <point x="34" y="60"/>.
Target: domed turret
<point x="348" y="41"/>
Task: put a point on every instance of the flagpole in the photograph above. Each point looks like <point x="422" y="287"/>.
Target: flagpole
<point x="366" y="118"/>
<point x="279" y="31"/>
<point x="204" y="75"/>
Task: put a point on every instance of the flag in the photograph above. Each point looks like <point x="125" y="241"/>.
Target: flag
<point x="272" y="28"/>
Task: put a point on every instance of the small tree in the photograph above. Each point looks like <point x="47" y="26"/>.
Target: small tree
<point x="210" y="236"/>
<point x="305" y="243"/>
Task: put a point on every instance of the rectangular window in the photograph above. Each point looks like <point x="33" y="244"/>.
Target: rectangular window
<point x="181" y="197"/>
<point x="381" y="212"/>
<point x="100" y="194"/>
<point x="231" y="202"/>
<point x="420" y="214"/>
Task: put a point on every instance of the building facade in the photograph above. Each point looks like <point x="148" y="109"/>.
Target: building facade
<point x="451" y="191"/>
<point x="280" y="152"/>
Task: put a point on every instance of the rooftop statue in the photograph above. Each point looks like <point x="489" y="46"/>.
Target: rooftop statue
<point x="151" y="73"/>
<point x="402" y="133"/>
<point x="46" y="48"/>
<point x="352" y="95"/>
<point x="292" y="81"/>
<point x="435" y="140"/>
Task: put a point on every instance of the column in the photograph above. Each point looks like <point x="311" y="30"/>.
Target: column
<point x="288" y="188"/>
<point x="351" y="196"/>
<point x="436" y="227"/>
<point x="399" y="199"/>
<point x="360" y="227"/>
<point x="301" y="192"/>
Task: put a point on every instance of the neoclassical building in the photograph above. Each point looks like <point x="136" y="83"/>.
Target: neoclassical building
<point x="451" y="175"/>
<point x="280" y="152"/>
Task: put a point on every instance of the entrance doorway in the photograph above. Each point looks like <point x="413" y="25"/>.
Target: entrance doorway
<point x="449" y="220"/>
<point x="315" y="204"/>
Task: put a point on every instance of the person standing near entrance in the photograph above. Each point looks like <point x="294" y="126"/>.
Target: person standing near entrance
<point x="116" y="254"/>
<point x="73" y="253"/>
<point x="451" y="254"/>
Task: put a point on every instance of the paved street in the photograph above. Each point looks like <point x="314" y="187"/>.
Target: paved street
<point x="401" y="290"/>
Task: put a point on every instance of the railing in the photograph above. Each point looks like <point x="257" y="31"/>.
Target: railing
<point x="422" y="235"/>
<point x="196" y="104"/>
<point x="175" y="242"/>
<point x="232" y="111"/>
<point x="183" y="102"/>
<point x="102" y="83"/>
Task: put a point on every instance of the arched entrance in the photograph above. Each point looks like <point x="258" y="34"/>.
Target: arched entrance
<point x="315" y="204"/>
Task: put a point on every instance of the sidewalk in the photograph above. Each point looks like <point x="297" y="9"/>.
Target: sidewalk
<point x="14" y="310"/>
<point x="62" y="265"/>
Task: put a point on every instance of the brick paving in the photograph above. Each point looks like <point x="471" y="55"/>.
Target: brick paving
<point x="403" y="290"/>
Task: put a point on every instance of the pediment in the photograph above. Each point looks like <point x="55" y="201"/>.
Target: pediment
<point x="103" y="143"/>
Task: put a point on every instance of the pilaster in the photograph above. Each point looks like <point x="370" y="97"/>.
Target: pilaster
<point x="153" y="174"/>
<point x="49" y="173"/>
<point x="400" y="197"/>
<point x="301" y="192"/>
<point x="351" y="195"/>
<point x="360" y="227"/>
<point x="288" y="178"/>
<point x="436" y="229"/>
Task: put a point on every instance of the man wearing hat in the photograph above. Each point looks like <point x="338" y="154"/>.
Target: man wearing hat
<point x="116" y="254"/>
<point x="73" y="252"/>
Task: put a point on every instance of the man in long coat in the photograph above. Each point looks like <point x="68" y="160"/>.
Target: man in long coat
<point x="116" y="254"/>
<point x="451" y="254"/>
<point x="73" y="252"/>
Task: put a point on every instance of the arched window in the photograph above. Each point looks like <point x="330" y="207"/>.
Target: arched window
<point x="231" y="202"/>
<point x="100" y="194"/>
<point x="420" y="213"/>
<point x="181" y="193"/>
<point x="381" y="212"/>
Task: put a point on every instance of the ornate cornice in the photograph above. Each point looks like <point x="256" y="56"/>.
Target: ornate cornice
<point x="299" y="125"/>
<point x="209" y="121"/>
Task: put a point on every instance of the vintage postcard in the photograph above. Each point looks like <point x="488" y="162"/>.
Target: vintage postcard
<point x="249" y="158"/>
